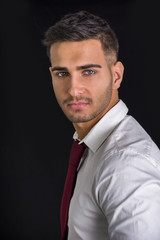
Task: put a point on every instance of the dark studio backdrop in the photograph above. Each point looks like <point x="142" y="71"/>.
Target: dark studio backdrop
<point x="35" y="135"/>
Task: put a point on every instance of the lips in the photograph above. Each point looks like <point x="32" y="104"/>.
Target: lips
<point x="77" y="105"/>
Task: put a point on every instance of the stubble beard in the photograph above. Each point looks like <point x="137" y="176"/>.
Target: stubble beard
<point x="101" y="104"/>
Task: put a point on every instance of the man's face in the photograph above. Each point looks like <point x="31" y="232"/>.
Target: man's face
<point x="82" y="79"/>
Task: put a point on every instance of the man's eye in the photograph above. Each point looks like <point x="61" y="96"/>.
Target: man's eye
<point x="62" y="74"/>
<point x="89" y="72"/>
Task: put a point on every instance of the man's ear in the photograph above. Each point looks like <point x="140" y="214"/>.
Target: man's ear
<point x="117" y="71"/>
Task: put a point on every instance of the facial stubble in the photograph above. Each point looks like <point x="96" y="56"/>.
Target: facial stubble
<point x="102" y="102"/>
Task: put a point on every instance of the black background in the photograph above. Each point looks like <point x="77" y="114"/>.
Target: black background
<point x="35" y="135"/>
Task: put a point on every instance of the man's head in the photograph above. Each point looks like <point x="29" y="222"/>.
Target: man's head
<point x="86" y="75"/>
<point x="83" y="26"/>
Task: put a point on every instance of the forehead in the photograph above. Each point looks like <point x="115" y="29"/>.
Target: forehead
<point x="77" y="52"/>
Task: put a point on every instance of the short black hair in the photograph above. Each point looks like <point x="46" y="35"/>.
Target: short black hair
<point x="81" y="26"/>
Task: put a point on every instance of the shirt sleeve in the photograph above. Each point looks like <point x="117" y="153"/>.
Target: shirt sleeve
<point x="128" y="193"/>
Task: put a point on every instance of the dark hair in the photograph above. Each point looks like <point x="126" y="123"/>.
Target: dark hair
<point x="82" y="26"/>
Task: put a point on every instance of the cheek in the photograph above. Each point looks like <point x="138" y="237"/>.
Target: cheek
<point x="56" y="90"/>
<point x="56" y="86"/>
<point x="103" y="87"/>
<point x="59" y="91"/>
<point x="101" y="83"/>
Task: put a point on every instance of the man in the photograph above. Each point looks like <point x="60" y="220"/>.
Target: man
<point x="117" y="192"/>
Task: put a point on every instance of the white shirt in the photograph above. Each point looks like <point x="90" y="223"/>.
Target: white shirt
<point x="117" y="193"/>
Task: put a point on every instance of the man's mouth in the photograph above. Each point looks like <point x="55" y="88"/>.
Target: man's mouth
<point x="77" y="105"/>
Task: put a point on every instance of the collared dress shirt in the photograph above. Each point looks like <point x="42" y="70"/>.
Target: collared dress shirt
<point x="117" y="193"/>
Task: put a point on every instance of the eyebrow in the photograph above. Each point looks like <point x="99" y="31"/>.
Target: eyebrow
<point x="89" y="66"/>
<point x="59" y="69"/>
<point x="78" y="68"/>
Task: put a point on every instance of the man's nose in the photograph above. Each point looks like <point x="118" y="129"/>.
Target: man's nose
<point x="76" y="87"/>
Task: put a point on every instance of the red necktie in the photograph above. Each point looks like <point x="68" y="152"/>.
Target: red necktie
<point x="75" y="157"/>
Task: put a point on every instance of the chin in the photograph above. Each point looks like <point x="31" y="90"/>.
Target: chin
<point x="80" y="119"/>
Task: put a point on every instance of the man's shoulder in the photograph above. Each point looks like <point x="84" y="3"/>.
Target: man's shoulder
<point x="130" y="137"/>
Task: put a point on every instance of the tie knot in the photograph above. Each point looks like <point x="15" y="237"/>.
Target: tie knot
<point x="76" y="153"/>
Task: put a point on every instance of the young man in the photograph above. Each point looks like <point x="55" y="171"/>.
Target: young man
<point x="117" y="192"/>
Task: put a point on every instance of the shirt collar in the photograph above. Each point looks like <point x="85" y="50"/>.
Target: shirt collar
<point x="104" y="127"/>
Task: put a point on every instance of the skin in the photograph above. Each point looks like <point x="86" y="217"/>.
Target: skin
<point x="84" y="82"/>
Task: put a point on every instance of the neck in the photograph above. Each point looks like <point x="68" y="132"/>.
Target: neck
<point x="83" y="128"/>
